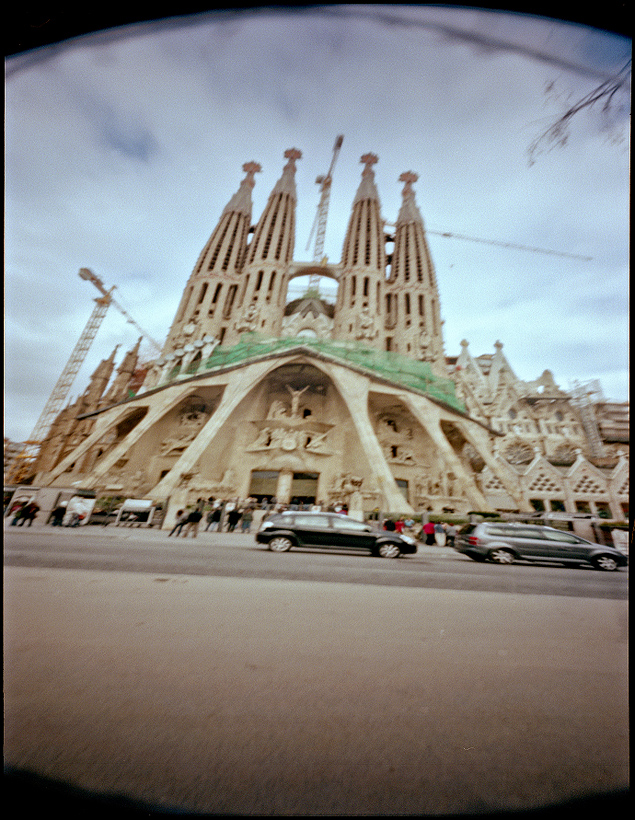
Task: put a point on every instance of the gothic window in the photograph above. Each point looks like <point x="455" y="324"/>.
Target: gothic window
<point x="202" y="293"/>
<point x="231" y="295"/>
<point x="219" y="242"/>
<point x="281" y="237"/>
<point x="271" y="283"/>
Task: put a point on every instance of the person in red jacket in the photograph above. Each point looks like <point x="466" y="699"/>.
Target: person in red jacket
<point x="428" y="530"/>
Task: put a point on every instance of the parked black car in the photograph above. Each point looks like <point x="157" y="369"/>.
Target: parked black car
<point x="505" y="543"/>
<point x="323" y="530"/>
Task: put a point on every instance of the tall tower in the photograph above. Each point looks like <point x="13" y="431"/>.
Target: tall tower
<point x="359" y="313"/>
<point x="265" y="275"/>
<point x="413" y="316"/>
<point x="210" y="294"/>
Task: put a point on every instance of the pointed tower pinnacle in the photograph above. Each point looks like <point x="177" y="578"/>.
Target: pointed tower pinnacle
<point x="212" y="288"/>
<point x="261" y="304"/>
<point x="413" y="317"/>
<point x="359" y="310"/>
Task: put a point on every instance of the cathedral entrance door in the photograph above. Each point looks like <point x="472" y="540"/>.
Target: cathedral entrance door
<point x="304" y="488"/>
<point x="263" y="484"/>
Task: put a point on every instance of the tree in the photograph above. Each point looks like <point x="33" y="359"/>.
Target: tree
<point x="613" y="93"/>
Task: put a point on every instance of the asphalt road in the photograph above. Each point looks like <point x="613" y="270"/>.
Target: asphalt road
<point x="212" y="676"/>
<point x="235" y="555"/>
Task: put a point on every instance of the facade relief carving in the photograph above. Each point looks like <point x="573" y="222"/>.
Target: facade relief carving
<point x="191" y="419"/>
<point x="290" y="426"/>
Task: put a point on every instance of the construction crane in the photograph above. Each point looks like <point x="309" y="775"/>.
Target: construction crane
<point x="27" y="456"/>
<point x="499" y="243"/>
<point x="319" y="225"/>
<point x="85" y="273"/>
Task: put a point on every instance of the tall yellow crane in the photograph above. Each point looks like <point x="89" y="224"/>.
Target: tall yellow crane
<point x="25" y="460"/>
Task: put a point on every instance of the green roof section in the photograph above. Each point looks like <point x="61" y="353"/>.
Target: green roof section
<point x="387" y="365"/>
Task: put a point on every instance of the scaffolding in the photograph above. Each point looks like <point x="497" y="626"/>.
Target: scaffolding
<point x="584" y="395"/>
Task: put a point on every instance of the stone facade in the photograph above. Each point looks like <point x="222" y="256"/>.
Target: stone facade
<point x="354" y="402"/>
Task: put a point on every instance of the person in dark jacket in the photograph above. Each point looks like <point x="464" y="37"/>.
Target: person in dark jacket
<point x="233" y="517"/>
<point x="179" y="523"/>
<point x="191" y="523"/>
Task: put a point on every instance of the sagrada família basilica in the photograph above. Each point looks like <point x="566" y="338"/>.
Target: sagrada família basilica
<point x="259" y="395"/>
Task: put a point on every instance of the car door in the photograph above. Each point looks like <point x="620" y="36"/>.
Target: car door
<point x="528" y="542"/>
<point x="352" y="534"/>
<point x="566" y="546"/>
<point x="312" y="530"/>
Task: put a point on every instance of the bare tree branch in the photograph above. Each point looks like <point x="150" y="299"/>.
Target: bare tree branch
<point x="558" y="132"/>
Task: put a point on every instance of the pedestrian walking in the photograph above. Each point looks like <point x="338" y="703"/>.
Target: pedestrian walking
<point x="428" y="530"/>
<point x="28" y="514"/>
<point x="439" y="535"/>
<point x="179" y="523"/>
<point x="213" y="518"/>
<point x="233" y="517"/>
<point x="18" y="511"/>
<point x="248" y="517"/>
<point x="450" y="535"/>
<point x="191" y="523"/>
<point x="58" y="515"/>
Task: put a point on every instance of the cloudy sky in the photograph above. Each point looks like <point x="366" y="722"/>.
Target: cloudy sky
<point x="123" y="147"/>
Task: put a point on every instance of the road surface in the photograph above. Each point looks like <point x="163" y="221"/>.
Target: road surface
<point x="186" y="677"/>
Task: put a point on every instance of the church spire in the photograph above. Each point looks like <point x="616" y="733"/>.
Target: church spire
<point x="359" y="310"/>
<point x="211" y="290"/>
<point x="261" y="302"/>
<point x="413" y="314"/>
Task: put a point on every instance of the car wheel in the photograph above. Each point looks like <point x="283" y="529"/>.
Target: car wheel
<point x="606" y="563"/>
<point x="502" y="556"/>
<point x="280" y="544"/>
<point x="388" y="550"/>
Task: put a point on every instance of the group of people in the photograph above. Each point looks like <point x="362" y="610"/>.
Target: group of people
<point x="24" y="511"/>
<point x="440" y="533"/>
<point x="220" y="516"/>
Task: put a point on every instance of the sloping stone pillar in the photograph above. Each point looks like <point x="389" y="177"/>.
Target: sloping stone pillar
<point x="240" y="383"/>
<point x="156" y="412"/>
<point x="477" y="437"/>
<point x="429" y="416"/>
<point x="354" y="389"/>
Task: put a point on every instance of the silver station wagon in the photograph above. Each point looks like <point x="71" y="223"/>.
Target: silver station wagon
<point x="505" y="543"/>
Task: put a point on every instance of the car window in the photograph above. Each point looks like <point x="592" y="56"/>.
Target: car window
<point x="515" y="532"/>
<point x="349" y="524"/>
<point x="311" y="521"/>
<point x="557" y="535"/>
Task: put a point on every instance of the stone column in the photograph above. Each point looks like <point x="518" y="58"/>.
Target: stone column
<point x="240" y="383"/>
<point x="510" y="481"/>
<point x="283" y="488"/>
<point x="353" y="389"/>
<point x="429" y="416"/>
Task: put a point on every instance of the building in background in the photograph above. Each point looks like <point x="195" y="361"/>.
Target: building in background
<point x="315" y="400"/>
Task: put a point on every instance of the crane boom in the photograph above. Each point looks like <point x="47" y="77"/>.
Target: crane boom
<point x="54" y="404"/>
<point x="500" y="244"/>
<point x="322" y="212"/>
<point x="85" y="273"/>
